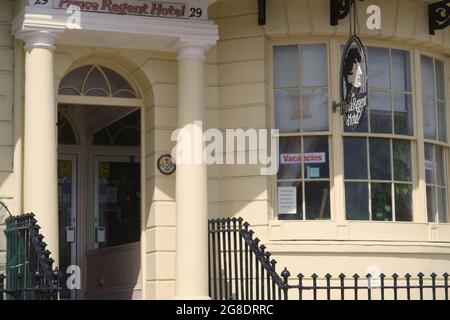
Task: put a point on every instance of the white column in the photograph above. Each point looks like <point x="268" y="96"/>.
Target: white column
<point x="40" y="132"/>
<point x="191" y="181"/>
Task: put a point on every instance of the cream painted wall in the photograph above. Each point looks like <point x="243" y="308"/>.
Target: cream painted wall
<point x="6" y="115"/>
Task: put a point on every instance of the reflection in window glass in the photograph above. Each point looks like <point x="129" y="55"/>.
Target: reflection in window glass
<point x="380" y="112"/>
<point x="379" y="68"/>
<point x="402" y="160"/>
<point x="381" y="201"/>
<point x="380" y="159"/>
<point x="435" y="173"/>
<point x="316" y="157"/>
<point x="429" y="119"/>
<point x="357" y="201"/>
<point x="355" y="158"/>
<point x="401" y="75"/>
<point x="287" y="110"/>
<point x="314" y="109"/>
<point x="314" y="66"/>
<point x="403" y="202"/>
<point x="317" y="200"/>
<point x="428" y="88"/>
<point x="403" y="114"/>
<point x="286" y="66"/>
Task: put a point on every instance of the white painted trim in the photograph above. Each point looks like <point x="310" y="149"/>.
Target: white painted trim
<point x="100" y="101"/>
<point x="108" y="30"/>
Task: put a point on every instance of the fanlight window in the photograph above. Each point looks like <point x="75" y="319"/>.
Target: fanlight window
<point x="124" y="132"/>
<point x="96" y="81"/>
<point x="66" y="133"/>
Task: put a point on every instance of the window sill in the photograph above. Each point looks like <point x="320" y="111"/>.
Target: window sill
<point x="358" y="231"/>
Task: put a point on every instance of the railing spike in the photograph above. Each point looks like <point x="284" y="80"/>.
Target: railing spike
<point x="328" y="276"/>
<point x="356" y="276"/>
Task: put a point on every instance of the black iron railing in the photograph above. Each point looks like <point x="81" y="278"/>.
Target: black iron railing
<point x="240" y="268"/>
<point x="29" y="267"/>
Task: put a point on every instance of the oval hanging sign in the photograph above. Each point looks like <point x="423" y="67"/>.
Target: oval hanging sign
<point x="354" y="83"/>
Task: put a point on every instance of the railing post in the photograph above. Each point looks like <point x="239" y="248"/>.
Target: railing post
<point x="382" y="276"/>
<point x="342" y="278"/>
<point x="356" y="278"/>
<point x="433" y="285"/>
<point x="328" y="278"/>
<point x="421" y="275"/>
<point x="408" y="286"/>
<point x="285" y="274"/>
<point x="395" y="277"/>
<point x="446" y="285"/>
<point x="369" y="286"/>
<point x="273" y="263"/>
<point x="2" y="285"/>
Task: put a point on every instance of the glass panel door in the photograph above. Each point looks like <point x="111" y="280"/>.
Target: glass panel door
<point x="67" y="173"/>
<point x="117" y="214"/>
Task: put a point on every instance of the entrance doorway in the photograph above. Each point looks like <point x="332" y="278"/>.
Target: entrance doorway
<point x="99" y="184"/>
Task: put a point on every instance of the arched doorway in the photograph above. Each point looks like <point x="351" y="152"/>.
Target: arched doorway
<point x="99" y="197"/>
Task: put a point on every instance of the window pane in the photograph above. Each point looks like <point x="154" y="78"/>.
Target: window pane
<point x="429" y="118"/>
<point x="317" y="200"/>
<point x="290" y="199"/>
<point x="357" y="201"/>
<point x="402" y="160"/>
<point x="379" y="75"/>
<point x="290" y="158"/>
<point x="442" y="205"/>
<point x="401" y="73"/>
<point x="380" y="112"/>
<point x="287" y="110"/>
<point x="403" y="202"/>
<point x="430" y="164"/>
<point x="380" y="159"/>
<point x="427" y="76"/>
<point x="442" y="121"/>
<point x="440" y="80"/>
<point x="440" y="166"/>
<point x="363" y="126"/>
<point x="431" y="204"/>
<point x="286" y="66"/>
<point x="314" y="65"/>
<point x="403" y="114"/>
<point x="314" y="109"/>
<point x="316" y="158"/>
<point x="355" y="158"/>
<point x="381" y="201"/>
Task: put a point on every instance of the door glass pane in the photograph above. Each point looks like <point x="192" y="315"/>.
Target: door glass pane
<point x="428" y="88"/>
<point x="355" y="158"/>
<point x="403" y="114"/>
<point x="379" y="74"/>
<point x="316" y="158"/>
<point x="314" y="65"/>
<point x="315" y="109"/>
<point x="442" y="205"/>
<point x="430" y="164"/>
<point x="290" y="158"/>
<point x="381" y="201"/>
<point x="402" y="160"/>
<point x="440" y="80"/>
<point x="286" y="66"/>
<point x="290" y="200"/>
<point x="66" y="221"/>
<point x="401" y="71"/>
<point x="431" y="204"/>
<point x="357" y="200"/>
<point x="380" y="159"/>
<point x="119" y="202"/>
<point x="403" y="202"/>
<point x="429" y="118"/>
<point x="287" y="110"/>
<point x="317" y="200"/>
<point x="380" y="112"/>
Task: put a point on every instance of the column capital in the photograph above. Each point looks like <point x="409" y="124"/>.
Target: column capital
<point x="39" y="39"/>
<point x="191" y="49"/>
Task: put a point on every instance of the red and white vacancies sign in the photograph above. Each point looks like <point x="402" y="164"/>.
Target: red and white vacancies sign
<point x="297" y="158"/>
<point x="162" y="9"/>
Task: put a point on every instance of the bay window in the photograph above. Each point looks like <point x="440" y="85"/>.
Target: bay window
<point x="435" y="133"/>
<point x="380" y="158"/>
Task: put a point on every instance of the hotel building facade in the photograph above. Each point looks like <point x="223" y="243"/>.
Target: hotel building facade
<point x="89" y="101"/>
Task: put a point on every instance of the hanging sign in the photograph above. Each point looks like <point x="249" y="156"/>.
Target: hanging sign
<point x="166" y="165"/>
<point x="354" y="83"/>
<point x="161" y="9"/>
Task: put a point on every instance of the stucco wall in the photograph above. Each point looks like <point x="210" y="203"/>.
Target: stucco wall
<point x="6" y="114"/>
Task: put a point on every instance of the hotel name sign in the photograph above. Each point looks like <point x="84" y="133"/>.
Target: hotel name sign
<point x="161" y="9"/>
